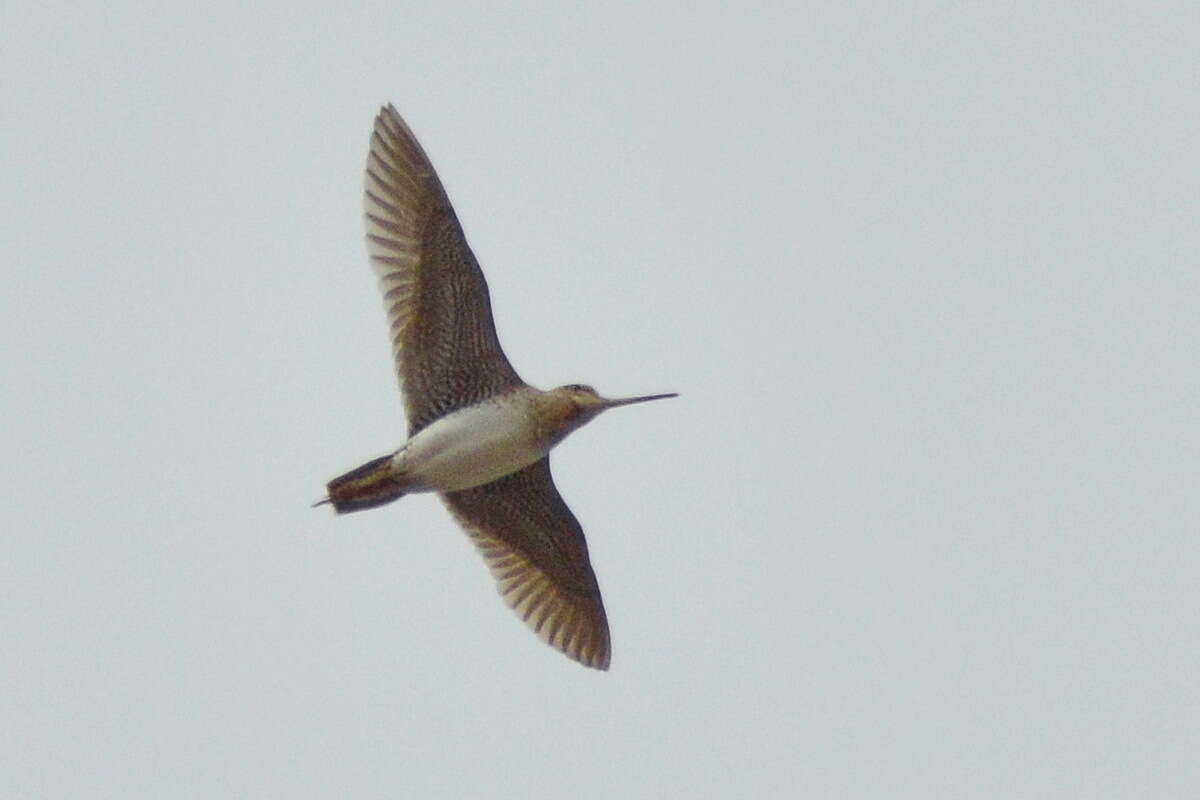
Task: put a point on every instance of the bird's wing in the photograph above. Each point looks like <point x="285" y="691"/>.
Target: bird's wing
<point x="535" y="549"/>
<point x="443" y="337"/>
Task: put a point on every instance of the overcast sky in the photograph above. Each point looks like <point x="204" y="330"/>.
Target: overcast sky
<point x="923" y="522"/>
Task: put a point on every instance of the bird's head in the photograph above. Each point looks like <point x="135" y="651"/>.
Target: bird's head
<point x="579" y="404"/>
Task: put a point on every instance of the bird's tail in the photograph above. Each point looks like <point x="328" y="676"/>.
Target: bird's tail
<point x="370" y="485"/>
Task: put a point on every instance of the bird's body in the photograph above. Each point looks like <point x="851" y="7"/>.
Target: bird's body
<point x="479" y="436"/>
<point x="480" y="443"/>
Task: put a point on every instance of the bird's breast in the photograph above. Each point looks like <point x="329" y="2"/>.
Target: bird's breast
<point x="472" y="446"/>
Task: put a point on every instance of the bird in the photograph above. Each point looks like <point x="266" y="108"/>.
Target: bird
<point x="478" y="436"/>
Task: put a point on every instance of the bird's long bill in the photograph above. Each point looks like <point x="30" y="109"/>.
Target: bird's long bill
<point x="628" y="401"/>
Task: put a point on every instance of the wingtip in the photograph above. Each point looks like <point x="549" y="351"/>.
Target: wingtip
<point x="388" y="111"/>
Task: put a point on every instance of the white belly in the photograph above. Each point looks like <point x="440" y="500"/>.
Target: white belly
<point x="470" y="447"/>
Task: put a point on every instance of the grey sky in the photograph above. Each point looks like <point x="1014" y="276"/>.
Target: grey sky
<point x="922" y="524"/>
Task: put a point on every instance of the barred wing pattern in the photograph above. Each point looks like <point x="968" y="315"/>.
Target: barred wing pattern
<point x="443" y="336"/>
<point x="448" y="357"/>
<point x="535" y="549"/>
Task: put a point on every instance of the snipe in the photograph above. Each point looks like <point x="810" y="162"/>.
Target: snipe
<point x="479" y="436"/>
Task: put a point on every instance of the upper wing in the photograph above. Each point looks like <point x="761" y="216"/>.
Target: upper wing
<point x="443" y="337"/>
<point x="535" y="549"/>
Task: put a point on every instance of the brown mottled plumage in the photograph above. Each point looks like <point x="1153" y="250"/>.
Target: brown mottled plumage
<point x="478" y="435"/>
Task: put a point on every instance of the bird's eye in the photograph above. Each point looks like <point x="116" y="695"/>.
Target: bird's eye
<point x="580" y="387"/>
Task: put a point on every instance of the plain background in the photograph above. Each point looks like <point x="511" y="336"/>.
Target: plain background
<point x="922" y="524"/>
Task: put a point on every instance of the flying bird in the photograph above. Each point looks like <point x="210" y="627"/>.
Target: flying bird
<point x="479" y="436"/>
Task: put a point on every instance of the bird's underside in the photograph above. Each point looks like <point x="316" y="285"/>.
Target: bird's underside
<point x="448" y="358"/>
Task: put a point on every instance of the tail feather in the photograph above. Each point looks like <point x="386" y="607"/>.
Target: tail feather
<point x="372" y="484"/>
